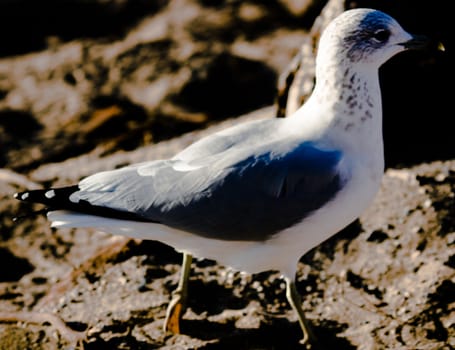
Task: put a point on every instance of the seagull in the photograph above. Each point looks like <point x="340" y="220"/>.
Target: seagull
<point x="259" y="195"/>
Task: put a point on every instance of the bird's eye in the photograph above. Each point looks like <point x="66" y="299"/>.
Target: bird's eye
<point x="381" y="35"/>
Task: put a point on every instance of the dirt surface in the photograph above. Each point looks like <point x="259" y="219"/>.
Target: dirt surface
<point x="74" y="101"/>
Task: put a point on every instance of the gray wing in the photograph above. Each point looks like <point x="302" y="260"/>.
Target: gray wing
<point x="250" y="199"/>
<point x="245" y="134"/>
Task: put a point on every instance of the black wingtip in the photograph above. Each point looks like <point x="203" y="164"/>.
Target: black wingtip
<point x="22" y="196"/>
<point x="25" y="196"/>
<point x="59" y="199"/>
<point x="31" y="214"/>
<point x="53" y="197"/>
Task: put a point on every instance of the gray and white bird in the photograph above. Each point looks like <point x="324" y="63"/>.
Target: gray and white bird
<point x="259" y="195"/>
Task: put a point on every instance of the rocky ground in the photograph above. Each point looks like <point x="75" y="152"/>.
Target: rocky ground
<point x="122" y="88"/>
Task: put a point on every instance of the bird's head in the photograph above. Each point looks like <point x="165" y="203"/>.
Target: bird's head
<point x="366" y="36"/>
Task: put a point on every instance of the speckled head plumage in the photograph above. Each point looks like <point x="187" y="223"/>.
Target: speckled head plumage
<point x="365" y="36"/>
<point x="372" y="34"/>
<point x="351" y="50"/>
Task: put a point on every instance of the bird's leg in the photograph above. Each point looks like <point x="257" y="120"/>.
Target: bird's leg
<point x="177" y="306"/>
<point x="294" y="299"/>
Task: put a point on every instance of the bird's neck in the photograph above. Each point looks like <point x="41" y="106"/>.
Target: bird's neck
<point x="343" y="86"/>
<point x="351" y="100"/>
